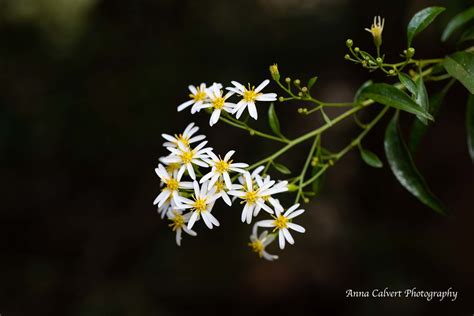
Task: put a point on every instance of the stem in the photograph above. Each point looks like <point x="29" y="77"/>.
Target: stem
<point x="306" y="165"/>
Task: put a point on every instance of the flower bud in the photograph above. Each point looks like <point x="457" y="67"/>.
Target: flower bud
<point x="292" y="187"/>
<point x="304" y="89"/>
<point x="379" y="61"/>
<point x="391" y="72"/>
<point x="376" y="30"/>
<point x="287" y="79"/>
<point x="274" y="72"/>
<point x="410" y="52"/>
<point x="356" y="50"/>
<point x="300" y="94"/>
<point x="281" y="99"/>
<point x="297" y="82"/>
<point x="347" y="57"/>
<point x="349" y="43"/>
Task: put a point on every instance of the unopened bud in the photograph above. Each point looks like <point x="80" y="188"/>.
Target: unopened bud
<point x="391" y="72"/>
<point x="356" y="50"/>
<point x="274" y="72"/>
<point x="410" y="52"/>
<point x="287" y="79"/>
<point x="292" y="187"/>
<point x="300" y="94"/>
<point x="347" y="57"/>
<point x="297" y="82"/>
<point x="379" y="61"/>
<point x="281" y="99"/>
<point x="349" y="43"/>
<point x="304" y="89"/>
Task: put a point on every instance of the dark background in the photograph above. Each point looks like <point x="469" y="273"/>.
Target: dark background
<point x="86" y="89"/>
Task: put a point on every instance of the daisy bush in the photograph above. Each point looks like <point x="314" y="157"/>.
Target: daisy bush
<point x="193" y="177"/>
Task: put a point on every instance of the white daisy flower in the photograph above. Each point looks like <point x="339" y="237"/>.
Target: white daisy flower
<point x="282" y="223"/>
<point x="249" y="97"/>
<point x="166" y="207"/>
<point x="198" y="97"/>
<point x="259" y="243"/>
<point x="186" y="138"/>
<point x="172" y="184"/>
<point x="188" y="157"/>
<point x="280" y="186"/>
<point x="217" y="102"/>
<point x="201" y="205"/>
<point x="178" y="224"/>
<point x="222" y="190"/>
<point x="253" y="197"/>
<point x="221" y="168"/>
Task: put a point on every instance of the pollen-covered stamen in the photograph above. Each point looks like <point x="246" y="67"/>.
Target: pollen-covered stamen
<point x="220" y="185"/>
<point x="280" y="222"/>
<point x="257" y="246"/>
<point x="181" y="138"/>
<point x="251" y="197"/>
<point x="250" y="95"/>
<point x="199" y="96"/>
<point x="172" y="167"/>
<point x="187" y="156"/>
<point x="200" y="205"/>
<point x="177" y="222"/>
<point x="222" y="166"/>
<point x="218" y="103"/>
<point x="172" y="184"/>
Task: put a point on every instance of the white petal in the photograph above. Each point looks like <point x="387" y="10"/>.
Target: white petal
<point x="229" y="155"/>
<point x="184" y="105"/>
<point x="207" y="220"/>
<point x="266" y="223"/>
<point x="253" y="110"/>
<point x="192" y="220"/>
<point x="190" y="169"/>
<point x="262" y="85"/>
<point x="294" y="214"/>
<point x="281" y="240"/>
<point x="288" y="236"/>
<point x="296" y="227"/>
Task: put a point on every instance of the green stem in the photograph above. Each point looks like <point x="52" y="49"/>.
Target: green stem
<point x="305" y="167"/>
<point x="253" y="131"/>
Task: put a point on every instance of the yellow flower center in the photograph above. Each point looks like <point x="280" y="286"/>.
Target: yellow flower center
<point x="172" y="167"/>
<point x="181" y="138"/>
<point x="177" y="222"/>
<point x="187" y="156"/>
<point x="199" y="96"/>
<point x="251" y="197"/>
<point x="280" y="222"/>
<point x="257" y="246"/>
<point x="222" y="166"/>
<point x="250" y="95"/>
<point x="219" y="186"/>
<point x="172" y="184"/>
<point x="218" y="103"/>
<point x="200" y="205"/>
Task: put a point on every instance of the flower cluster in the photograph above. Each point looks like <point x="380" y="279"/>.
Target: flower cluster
<point x="193" y="178"/>
<point x="216" y="99"/>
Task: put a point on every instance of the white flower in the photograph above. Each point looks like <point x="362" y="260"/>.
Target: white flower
<point x="166" y="207"/>
<point x="217" y="102"/>
<point x="188" y="157"/>
<point x="172" y="184"/>
<point x="198" y="97"/>
<point x="280" y="186"/>
<point x="222" y="190"/>
<point x="221" y="168"/>
<point x="282" y="223"/>
<point x="201" y="205"/>
<point x="185" y="138"/>
<point x="249" y="97"/>
<point x="179" y="224"/>
<point x="259" y="243"/>
<point x="254" y="197"/>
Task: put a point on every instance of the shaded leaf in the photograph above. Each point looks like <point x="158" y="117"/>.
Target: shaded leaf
<point x="460" y="65"/>
<point x="273" y="120"/>
<point x="311" y="82"/>
<point x="407" y="82"/>
<point x="421" y="20"/>
<point x="421" y="98"/>
<point x="468" y="35"/>
<point x="418" y="129"/>
<point x="370" y="158"/>
<point x="281" y="168"/>
<point x="457" y="22"/>
<point x="402" y="166"/>
<point x="470" y="125"/>
<point x="364" y="85"/>
<point x="389" y="95"/>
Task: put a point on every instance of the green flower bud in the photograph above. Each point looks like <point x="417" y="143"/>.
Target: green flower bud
<point x="304" y="89"/>
<point x="297" y="82"/>
<point x="292" y="187"/>
<point x="281" y="99"/>
<point x="274" y="72"/>
<point x="410" y="52"/>
<point x="287" y="79"/>
<point x="356" y="50"/>
<point x="347" y="57"/>
<point x="379" y="61"/>
<point x="349" y="43"/>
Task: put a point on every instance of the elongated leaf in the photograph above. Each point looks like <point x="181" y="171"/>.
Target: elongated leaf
<point x="281" y="168"/>
<point x="389" y="95"/>
<point x="470" y="125"/>
<point x="421" y="98"/>
<point x="408" y="83"/>
<point x="273" y="120"/>
<point x="370" y="158"/>
<point x="457" y="22"/>
<point x="468" y="35"/>
<point x="311" y="82"/>
<point x="402" y="166"/>
<point x="421" y="20"/>
<point x="460" y="65"/>
<point x="364" y="85"/>
<point x="418" y="130"/>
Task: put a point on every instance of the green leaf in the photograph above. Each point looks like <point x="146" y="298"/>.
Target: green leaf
<point x="402" y="166"/>
<point x="311" y="82"/>
<point x="370" y="158"/>
<point x="408" y="83"/>
<point x="458" y="21"/>
<point x="281" y="168"/>
<point x="364" y="85"/>
<point x="389" y="95"/>
<point x="460" y="65"/>
<point x="421" y="20"/>
<point x="470" y="125"/>
<point x="468" y="35"/>
<point x="418" y="130"/>
<point x="421" y="98"/>
<point x="273" y="120"/>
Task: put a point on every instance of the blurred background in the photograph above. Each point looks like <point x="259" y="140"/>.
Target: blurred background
<point x="88" y="86"/>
